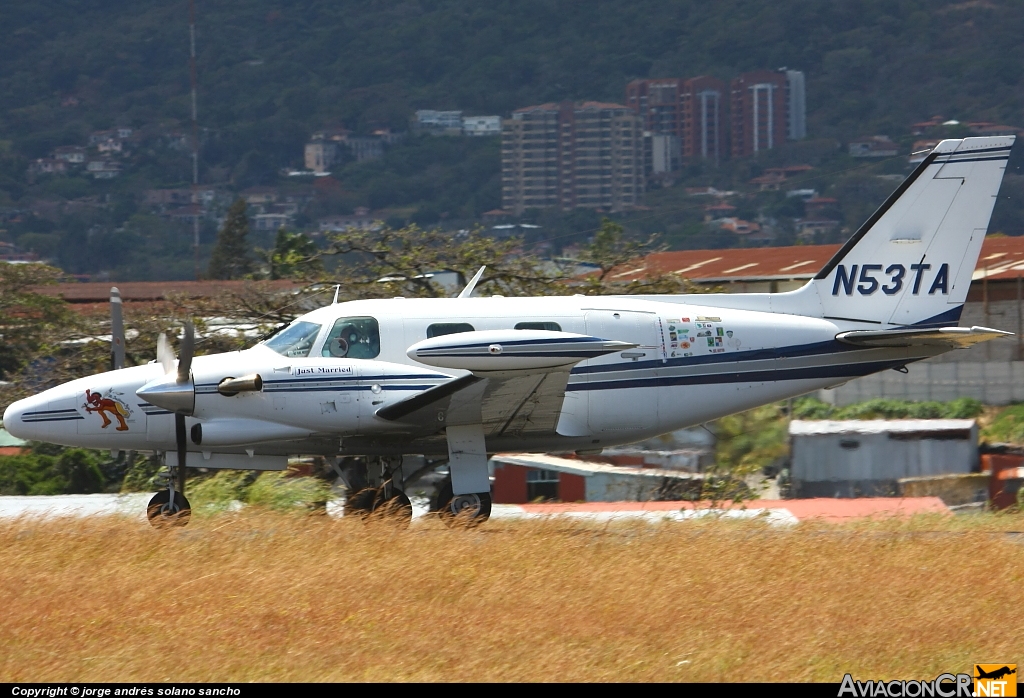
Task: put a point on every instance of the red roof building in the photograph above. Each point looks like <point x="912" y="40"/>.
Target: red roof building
<point x="785" y="268"/>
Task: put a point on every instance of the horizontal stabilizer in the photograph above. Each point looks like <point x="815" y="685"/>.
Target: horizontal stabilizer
<point x="952" y="337"/>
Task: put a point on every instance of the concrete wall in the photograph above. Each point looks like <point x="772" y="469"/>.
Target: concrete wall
<point x="953" y="490"/>
<point x="1000" y="315"/>
<point x="993" y="382"/>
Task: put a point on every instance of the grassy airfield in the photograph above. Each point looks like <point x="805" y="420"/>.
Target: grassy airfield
<point x="263" y="596"/>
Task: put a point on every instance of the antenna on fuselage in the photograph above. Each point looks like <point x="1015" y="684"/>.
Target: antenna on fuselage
<point x="468" y="291"/>
<point x="337" y="290"/>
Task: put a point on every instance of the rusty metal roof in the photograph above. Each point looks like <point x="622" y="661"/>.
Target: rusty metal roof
<point x="1001" y="258"/>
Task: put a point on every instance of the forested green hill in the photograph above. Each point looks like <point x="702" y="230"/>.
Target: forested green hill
<point x="273" y="71"/>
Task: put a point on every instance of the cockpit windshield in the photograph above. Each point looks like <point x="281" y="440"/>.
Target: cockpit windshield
<point x="295" y="340"/>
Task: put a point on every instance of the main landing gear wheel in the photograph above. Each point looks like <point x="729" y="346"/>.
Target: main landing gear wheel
<point x="397" y="508"/>
<point x="463" y="509"/>
<point x="162" y="513"/>
<point x="373" y="503"/>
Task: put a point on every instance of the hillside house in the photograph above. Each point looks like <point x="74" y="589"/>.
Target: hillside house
<point x="73" y="154"/>
<point x="873" y="147"/>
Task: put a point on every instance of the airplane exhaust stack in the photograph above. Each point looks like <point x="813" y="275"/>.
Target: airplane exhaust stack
<point x="229" y="387"/>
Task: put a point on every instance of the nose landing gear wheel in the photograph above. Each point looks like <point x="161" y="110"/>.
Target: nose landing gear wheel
<point x="463" y="509"/>
<point x="162" y="513"/>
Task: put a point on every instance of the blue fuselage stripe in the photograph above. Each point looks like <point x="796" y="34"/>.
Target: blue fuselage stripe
<point x="761" y="376"/>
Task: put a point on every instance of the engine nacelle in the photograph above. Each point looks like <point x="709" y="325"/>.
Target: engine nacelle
<point x="511" y="350"/>
<point x="239" y="432"/>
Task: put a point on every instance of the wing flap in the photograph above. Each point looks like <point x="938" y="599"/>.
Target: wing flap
<point x="505" y="402"/>
<point x="953" y="337"/>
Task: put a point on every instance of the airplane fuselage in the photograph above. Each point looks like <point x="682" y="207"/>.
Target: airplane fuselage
<point x="692" y="363"/>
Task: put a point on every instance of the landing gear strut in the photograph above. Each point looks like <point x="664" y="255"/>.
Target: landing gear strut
<point x="376" y="490"/>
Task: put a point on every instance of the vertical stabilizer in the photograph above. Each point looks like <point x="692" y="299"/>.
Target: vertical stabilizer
<point x="911" y="262"/>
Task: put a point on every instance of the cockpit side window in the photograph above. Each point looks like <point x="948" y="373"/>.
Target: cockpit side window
<point x="353" y="338"/>
<point x="549" y="326"/>
<point x="295" y="340"/>
<point x="439" y="329"/>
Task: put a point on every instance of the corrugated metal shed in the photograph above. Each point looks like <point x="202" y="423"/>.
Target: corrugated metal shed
<point x="866" y="458"/>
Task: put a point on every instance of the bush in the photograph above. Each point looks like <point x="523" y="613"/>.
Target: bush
<point x="885" y="408"/>
<point x="274" y="491"/>
<point x="139" y="474"/>
<point x="28" y="474"/>
<point x="71" y="471"/>
<point x="1007" y="427"/>
<point x="80" y="470"/>
<point x="220" y="491"/>
<point x="282" y="493"/>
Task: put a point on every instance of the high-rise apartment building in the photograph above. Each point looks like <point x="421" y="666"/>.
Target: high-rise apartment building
<point x="705" y="122"/>
<point x="658" y="103"/>
<point x="758" y="112"/>
<point x="693" y="110"/>
<point x="796" y="105"/>
<point x="767" y="108"/>
<point x="568" y="155"/>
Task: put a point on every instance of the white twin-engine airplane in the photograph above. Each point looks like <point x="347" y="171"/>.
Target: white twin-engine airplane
<point x="466" y="377"/>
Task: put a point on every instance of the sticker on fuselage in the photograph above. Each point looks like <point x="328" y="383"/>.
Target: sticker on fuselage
<point x="107" y="406"/>
<point x="322" y="371"/>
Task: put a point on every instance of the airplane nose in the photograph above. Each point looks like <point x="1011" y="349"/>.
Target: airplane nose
<point x="12" y="419"/>
<point x="38" y="419"/>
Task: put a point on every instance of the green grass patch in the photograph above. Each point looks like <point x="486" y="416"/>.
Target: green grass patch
<point x="1007" y="427"/>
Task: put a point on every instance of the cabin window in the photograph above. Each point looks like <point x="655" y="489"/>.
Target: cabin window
<point x="439" y="329"/>
<point x="549" y="326"/>
<point x="295" y="340"/>
<point x="353" y="338"/>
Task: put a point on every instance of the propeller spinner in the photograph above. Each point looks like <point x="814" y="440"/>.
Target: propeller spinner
<point x="176" y="391"/>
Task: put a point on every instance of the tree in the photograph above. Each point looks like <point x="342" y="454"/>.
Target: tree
<point x="230" y="258"/>
<point x="294" y="256"/>
<point x="28" y="319"/>
<point x="609" y="251"/>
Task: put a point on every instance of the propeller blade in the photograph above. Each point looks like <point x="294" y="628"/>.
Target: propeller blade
<point x="188" y="345"/>
<point x="180" y="436"/>
<point x="164" y="353"/>
<point x="116" y="331"/>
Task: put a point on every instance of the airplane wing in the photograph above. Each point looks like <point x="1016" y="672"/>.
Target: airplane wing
<point x="516" y="385"/>
<point x="955" y="337"/>
<point x="521" y="403"/>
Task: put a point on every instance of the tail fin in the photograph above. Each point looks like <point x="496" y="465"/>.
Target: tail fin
<point x="911" y="262"/>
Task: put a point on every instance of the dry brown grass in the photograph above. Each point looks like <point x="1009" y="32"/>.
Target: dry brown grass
<point x="267" y="597"/>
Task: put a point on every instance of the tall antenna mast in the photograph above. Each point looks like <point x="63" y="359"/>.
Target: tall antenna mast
<point x="195" y="133"/>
